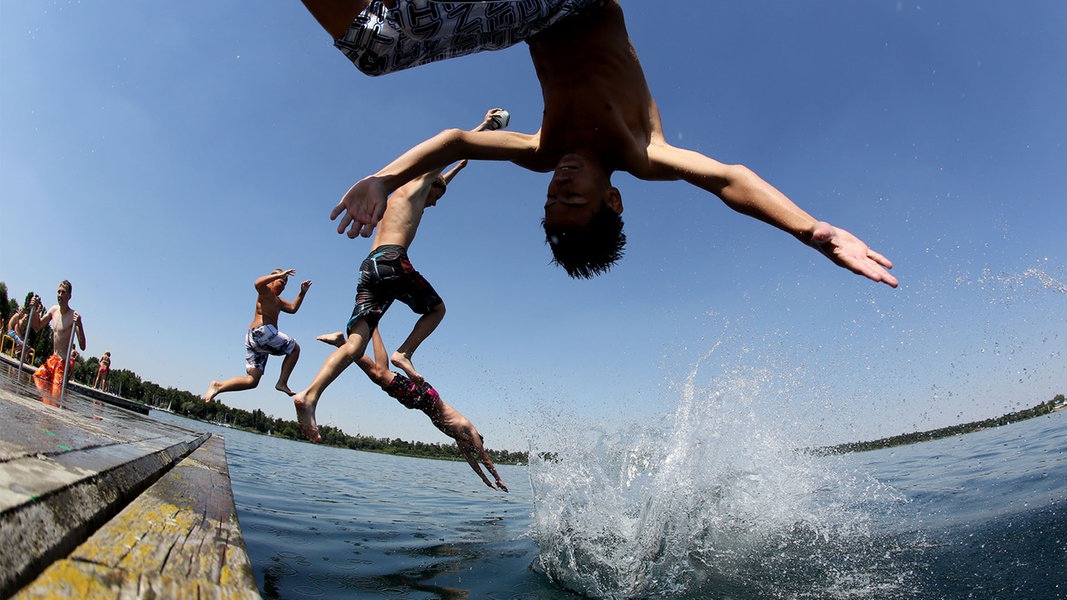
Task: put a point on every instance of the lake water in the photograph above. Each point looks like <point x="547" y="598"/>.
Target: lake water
<point x="694" y="508"/>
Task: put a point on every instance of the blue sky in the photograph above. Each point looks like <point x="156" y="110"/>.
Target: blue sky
<point x="161" y="156"/>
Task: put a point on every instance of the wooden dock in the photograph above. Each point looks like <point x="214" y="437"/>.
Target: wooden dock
<point x="101" y="502"/>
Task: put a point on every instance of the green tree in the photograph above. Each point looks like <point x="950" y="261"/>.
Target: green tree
<point x="7" y="308"/>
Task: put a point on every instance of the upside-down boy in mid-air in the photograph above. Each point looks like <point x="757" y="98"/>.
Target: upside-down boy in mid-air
<point x="599" y="117"/>
<point x="422" y="396"/>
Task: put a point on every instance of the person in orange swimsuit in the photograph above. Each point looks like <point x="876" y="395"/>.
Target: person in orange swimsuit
<point x="65" y="322"/>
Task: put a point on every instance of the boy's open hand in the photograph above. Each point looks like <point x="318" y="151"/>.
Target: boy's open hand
<point x="362" y="207"/>
<point x="850" y="252"/>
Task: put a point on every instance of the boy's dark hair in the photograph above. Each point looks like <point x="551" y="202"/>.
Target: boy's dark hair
<point x="589" y="252"/>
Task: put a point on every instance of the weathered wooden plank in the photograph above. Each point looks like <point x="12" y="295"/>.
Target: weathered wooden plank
<point x="66" y="470"/>
<point x="184" y="526"/>
<point x="88" y="581"/>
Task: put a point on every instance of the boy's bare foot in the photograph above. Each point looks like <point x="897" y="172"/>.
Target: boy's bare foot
<point x="281" y="387"/>
<point x="336" y="338"/>
<point x="305" y="416"/>
<point x="212" y="391"/>
<point x="401" y="361"/>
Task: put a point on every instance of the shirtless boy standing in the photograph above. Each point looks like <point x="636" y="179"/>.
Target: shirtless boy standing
<point x="102" y="371"/>
<point x="65" y="322"/>
<point x="263" y="338"/>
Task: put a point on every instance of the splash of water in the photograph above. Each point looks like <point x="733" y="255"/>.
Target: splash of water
<point x="709" y="502"/>
<point x="1018" y="281"/>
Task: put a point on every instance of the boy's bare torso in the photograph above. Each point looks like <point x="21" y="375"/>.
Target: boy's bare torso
<point x="596" y="97"/>
<point x="62" y="329"/>
<point x="268" y="307"/>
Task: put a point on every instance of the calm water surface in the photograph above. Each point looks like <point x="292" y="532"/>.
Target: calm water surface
<point x="683" y="516"/>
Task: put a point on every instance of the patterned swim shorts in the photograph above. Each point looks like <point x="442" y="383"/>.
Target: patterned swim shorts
<point x="386" y="275"/>
<point x="417" y="32"/>
<point x="263" y="341"/>
<point x="420" y="396"/>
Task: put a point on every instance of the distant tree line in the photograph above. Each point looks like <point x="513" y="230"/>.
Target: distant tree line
<point x="1044" y="408"/>
<point x="128" y="385"/>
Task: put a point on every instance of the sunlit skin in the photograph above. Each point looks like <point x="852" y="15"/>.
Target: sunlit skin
<point x="66" y="324"/>
<point x="64" y="321"/>
<point x="269" y="305"/>
<point x="399" y="224"/>
<point x="597" y="106"/>
<point x="18" y="323"/>
<point x="576" y="192"/>
<point x="443" y="416"/>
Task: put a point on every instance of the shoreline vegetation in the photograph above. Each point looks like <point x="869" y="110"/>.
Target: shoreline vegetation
<point x="1056" y="404"/>
<point x="127" y="384"/>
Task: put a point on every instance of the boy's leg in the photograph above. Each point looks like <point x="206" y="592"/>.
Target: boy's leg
<point x="426" y="325"/>
<point x="338" y="360"/>
<point x="233" y="384"/>
<point x="378" y="369"/>
<point x="336" y="338"/>
<point x="287" y="369"/>
<point x="336" y="16"/>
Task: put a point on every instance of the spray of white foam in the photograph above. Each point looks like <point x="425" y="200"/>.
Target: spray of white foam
<point x="710" y="499"/>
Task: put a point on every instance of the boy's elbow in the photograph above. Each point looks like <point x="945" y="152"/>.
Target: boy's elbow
<point x="738" y="174"/>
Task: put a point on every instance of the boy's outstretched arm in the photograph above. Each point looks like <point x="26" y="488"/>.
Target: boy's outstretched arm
<point x="261" y="283"/>
<point x="363" y="204"/>
<point x="747" y="193"/>
<point x="473" y="450"/>
<point x="456" y="426"/>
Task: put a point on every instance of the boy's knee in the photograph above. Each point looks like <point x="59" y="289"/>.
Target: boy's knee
<point x="378" y="376"/>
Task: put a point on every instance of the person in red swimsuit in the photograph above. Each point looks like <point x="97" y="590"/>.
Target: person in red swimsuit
<point x="103" y="371"/>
